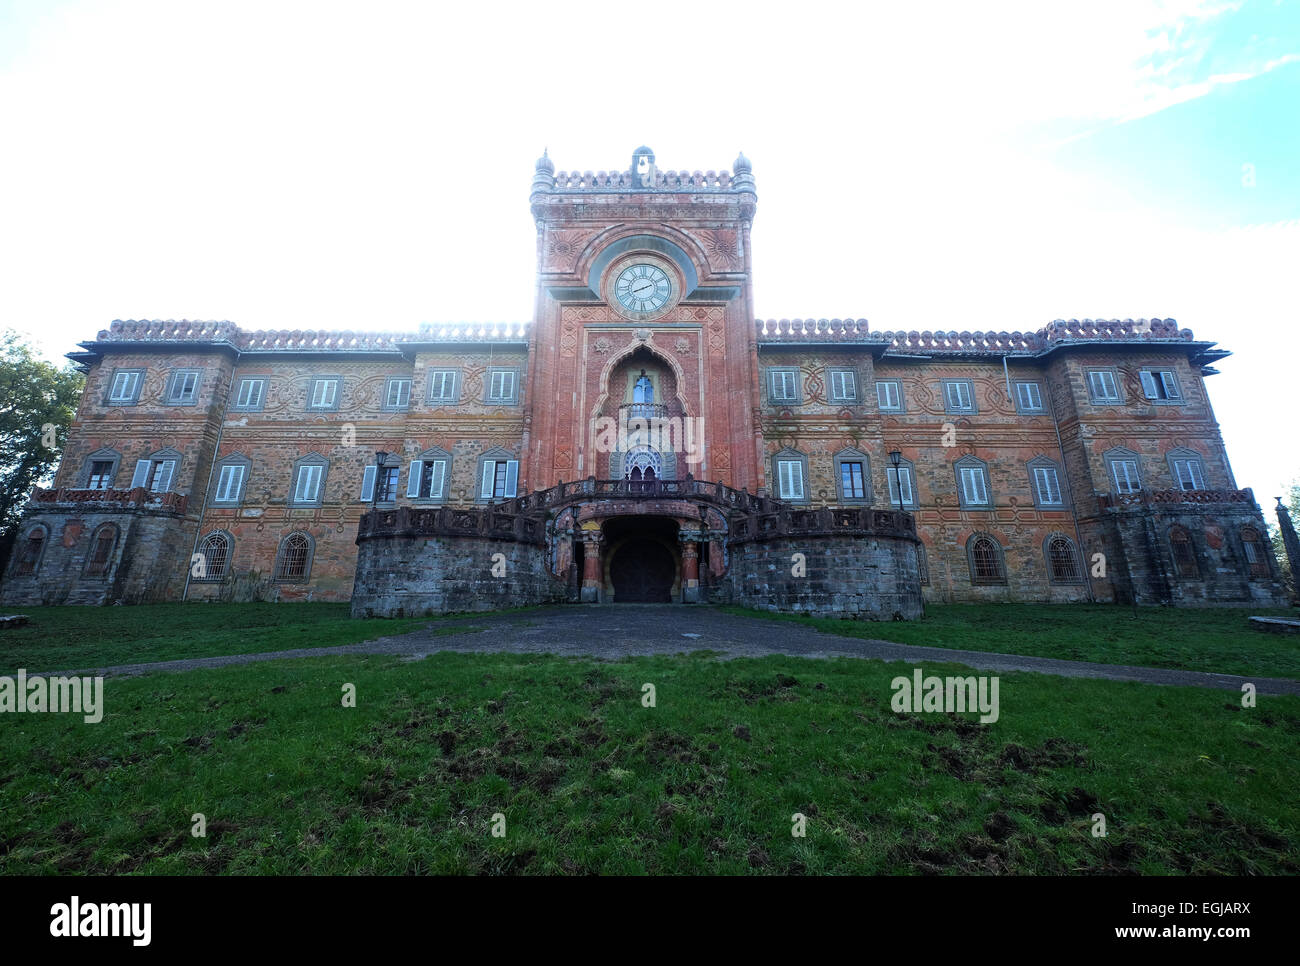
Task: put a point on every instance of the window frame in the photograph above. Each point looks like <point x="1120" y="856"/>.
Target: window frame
<point x="208" y="576"/>
<point x="775" y="400"/>
<point x="415" y="477"/>
<point x="1075" y="558"/>
<point x="173" y="378"/>
<point x="134" y="398"/>
<point x="449" y="400"/>
<point x="99" y="456"/>
<point x="843" y="371"/>
<point x="1020" y="384"/>
<point x="1043" y="463"/>
<point x="904" y="465"/>
<point x="333" y="406"/>
<point x="853" y="456"/>
<point x="1194" y="459"/>
<point x="397" y="407"/>
<point x="999" y="556"/>
<point x="20" y="548"/>
<point x="1116" y="383"/>
<point x="973" y="463"/>
<point x="969" y="384"/>
<point x="168" y="455"/>
<point x="108" y="564"/>
<point x="1116" y="456"/>
<point x="509" y="399"/>
<point x="1261" y="569"/>
<point x="495" y="456"/>
<point x="303" y="462"/>
<point x="232" y="460"/>
<point x="1193" y="559"/>
<point x="898" y="389"/>
<point x="261" y="395"/>
<point x="792" y="456"/>
<point x="1157" y="374"/>
<point x="277" y="574"/>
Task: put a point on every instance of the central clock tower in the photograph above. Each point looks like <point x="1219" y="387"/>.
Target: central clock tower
<point x="643" y="292"/>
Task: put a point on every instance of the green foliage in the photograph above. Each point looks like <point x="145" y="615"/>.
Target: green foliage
<point x="1189" y="639"/>
<point x="34" y="396"/>
<point x="590" y="781"/>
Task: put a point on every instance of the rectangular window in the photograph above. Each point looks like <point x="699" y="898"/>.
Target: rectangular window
<point x="852" y="481"/>
<point x="844" y="385"/>
<point x="959" y="397"/>
<point x="386" y="487"/>
<point x="1125" y="473"/>
<point x="442" y="385"/>
<point x="501" y="385"/>
<point x="184" y="387"/>
<point x="101" y="475"/>
<point x="154" y="475"/>
<point x="1160" y="385"/>
<point x="1029" y="397"/>
<point x="782" y="385"/>
<point x="307" y="489"/>
<point x="1048" y="485"/>
<point x="324" y="394"/>
<point x="789" y="474"/>
<point x="1188" y="474"/>
<point x="229" y="482"/>
<point x="499" y="480"/>
<point x="125" y="387"/>
<point x="1102" y="386"/>
<point x="900" y="486"/>
<point x="889" y="395"/>
<point x="398" y="395"/>
<point x="974" y="485"/>
<point x="250" y="394"/>
<point x="426" y="479"/>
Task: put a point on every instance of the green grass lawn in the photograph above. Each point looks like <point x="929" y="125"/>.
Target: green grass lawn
<point x="65" y="638"/>
<point x="589" y="780"/>
<point x="1209" y="639"/>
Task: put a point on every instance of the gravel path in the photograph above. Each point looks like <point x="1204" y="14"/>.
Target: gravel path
<point x="612" y="632"/>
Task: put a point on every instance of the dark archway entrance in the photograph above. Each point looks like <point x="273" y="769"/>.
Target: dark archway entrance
<point x="642" y="572"/>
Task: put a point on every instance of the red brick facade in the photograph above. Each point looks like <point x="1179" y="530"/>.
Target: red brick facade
<point x="1015" y="491"/>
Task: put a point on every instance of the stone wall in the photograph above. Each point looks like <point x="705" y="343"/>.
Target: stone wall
<point x="403" y="576"/>
<point x="866" y="578"/>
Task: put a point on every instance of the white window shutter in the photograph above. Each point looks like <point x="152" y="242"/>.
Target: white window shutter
<point x="489" y="473"/>
<point x="165" y="473"/>
<point x="368" y="483"/>
<point x="439" y="477"/>
<point x="512" y="477"/>
<point x="905" y="484"/>
<point x="1170" y="384"/>
<point x="141" y="475"/>
<point x="1149" y="385"/>
<point x="413" y="478"/>
<point x="300" y="483"/>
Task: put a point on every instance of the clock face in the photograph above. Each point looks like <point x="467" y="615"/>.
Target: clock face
<point x="642" y="288"/>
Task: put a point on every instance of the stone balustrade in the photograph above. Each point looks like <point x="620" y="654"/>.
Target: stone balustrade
<point x="1165" y="498"/>
<point x="86" y="500"/>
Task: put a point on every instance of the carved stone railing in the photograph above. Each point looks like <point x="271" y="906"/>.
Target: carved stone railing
<point x="307" y="340"/>
<point x="1158" y="498"/>
<point x="626" y="181"/>
<point x="792" y="522"/>
<point x="814" y="330"/>
<point x="490" y="522"/>
<point x="642" y="410"/>
<point x="86" y="500"/>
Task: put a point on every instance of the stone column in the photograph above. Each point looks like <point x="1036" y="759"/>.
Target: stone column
<point x="690" y="567"/>
<point x="592" y="573"/>
<point x="1291" y="542"/>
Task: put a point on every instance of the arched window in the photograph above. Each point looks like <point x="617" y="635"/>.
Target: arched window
<point x="1062" y="561"/>
<point x="643" y="391"/>
<point x="216" y="555"/>
<point x="1254" y="547"/>
<point x="1180" y="545"/>
<point x="295" y="557"/>
<point x="643" y="463"/>
<point x="985" y="557"/>
<point x="100" y="559"/>
<point x="29" y="557"/>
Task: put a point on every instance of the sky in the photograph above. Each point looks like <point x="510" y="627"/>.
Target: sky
<point x="924" y="166"/>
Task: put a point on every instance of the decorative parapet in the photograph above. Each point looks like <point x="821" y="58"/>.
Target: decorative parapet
<point x="1058" y="333"/>
<point x="307" y="340"/>
<point x="789" y="522"/>
<point x="490" y="523"/>
<point x="107" y="501"/>
<point x="1168" y="498"/>
<point x="694" y="181"/>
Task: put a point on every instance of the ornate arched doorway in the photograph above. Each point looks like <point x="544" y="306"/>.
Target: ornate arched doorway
<point x="642" y="572"/>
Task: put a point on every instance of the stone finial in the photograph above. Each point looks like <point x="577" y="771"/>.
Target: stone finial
<point x="742" y="165"/>
<point x="545" y="164"/>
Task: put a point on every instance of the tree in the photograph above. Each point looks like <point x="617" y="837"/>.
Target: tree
<point x="1292" y="501"/>
<point x="37" y="403"/>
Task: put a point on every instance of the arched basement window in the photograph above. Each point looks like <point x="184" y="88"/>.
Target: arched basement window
<point x="1255" y="551"/>
<point x="1180" y="545"/>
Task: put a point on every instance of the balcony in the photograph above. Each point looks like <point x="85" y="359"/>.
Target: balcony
<point x="86" y="500"/>
<point x="1163" y="498"/>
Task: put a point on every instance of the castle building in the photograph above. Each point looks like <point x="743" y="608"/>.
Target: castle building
<point x="644" y="438"/>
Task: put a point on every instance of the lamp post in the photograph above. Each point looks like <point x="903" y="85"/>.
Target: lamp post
<point x="896" y="460"/>
<point x="380" y="459"/>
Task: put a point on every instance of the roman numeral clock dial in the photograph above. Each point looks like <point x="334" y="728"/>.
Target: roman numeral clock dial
<point x="642" y="288"/>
